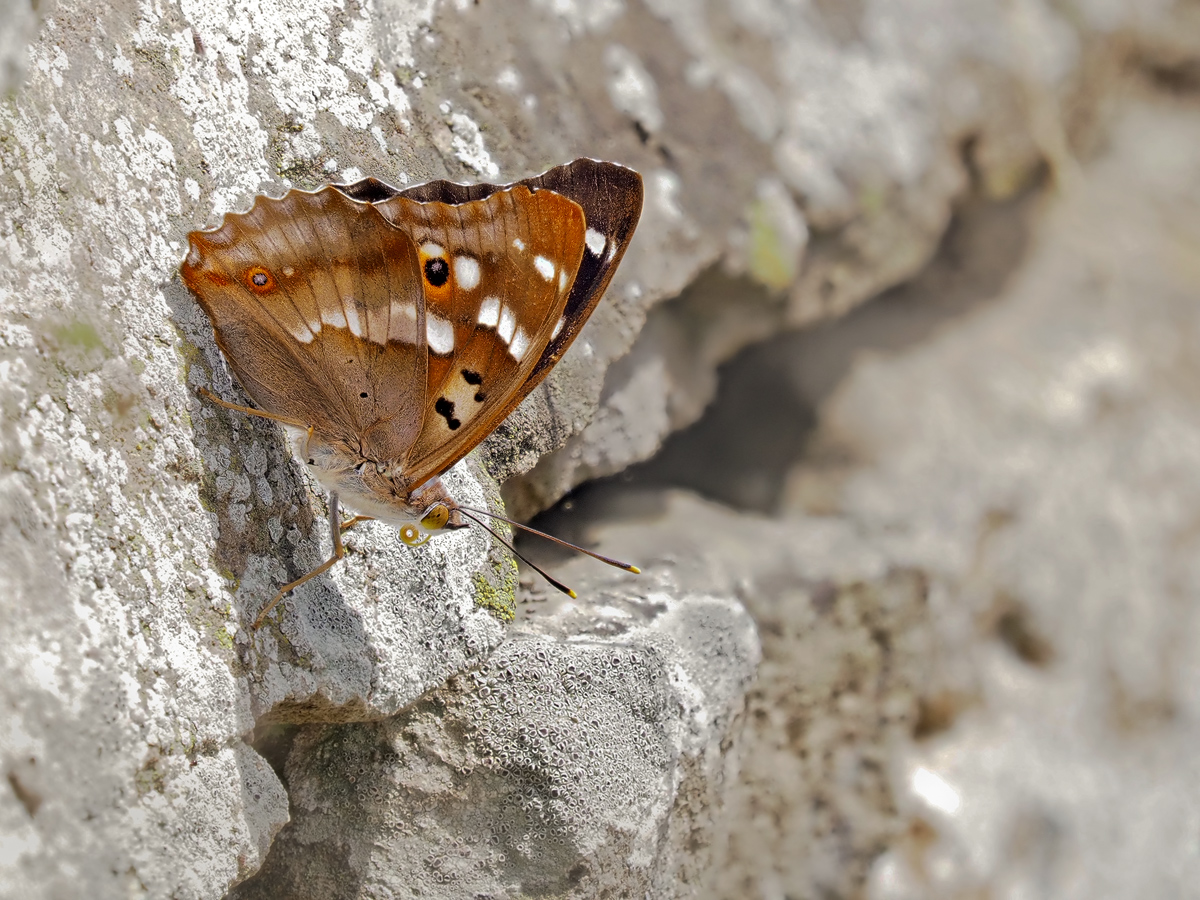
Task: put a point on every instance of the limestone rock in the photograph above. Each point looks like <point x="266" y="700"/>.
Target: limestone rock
<point x="585" y="757"/>
<point x="815" y="150"/>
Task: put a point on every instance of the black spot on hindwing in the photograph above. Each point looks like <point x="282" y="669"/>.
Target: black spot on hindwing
<point x="472" y="377"/>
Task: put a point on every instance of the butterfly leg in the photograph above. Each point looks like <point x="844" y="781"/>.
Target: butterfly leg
<point x="335" y="527"/>
<point x="350" y="523"/>
<point x="249" y="410"/>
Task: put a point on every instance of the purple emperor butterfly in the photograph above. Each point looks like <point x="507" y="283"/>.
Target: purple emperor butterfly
<point x="390" y="331"/>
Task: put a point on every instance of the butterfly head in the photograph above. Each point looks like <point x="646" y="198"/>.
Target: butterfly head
<point x="378" y="489"/>
<point x="436" y="517"/>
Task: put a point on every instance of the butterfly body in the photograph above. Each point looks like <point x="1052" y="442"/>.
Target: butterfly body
<point x="390" y="330"/>
<point x="372" y="488"/>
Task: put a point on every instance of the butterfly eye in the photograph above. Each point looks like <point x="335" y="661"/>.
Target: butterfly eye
<point x="259" y="280"/>
<point x="436" y="517"/>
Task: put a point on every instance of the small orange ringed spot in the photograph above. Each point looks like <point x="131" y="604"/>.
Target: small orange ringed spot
<point x="259" y="280"/>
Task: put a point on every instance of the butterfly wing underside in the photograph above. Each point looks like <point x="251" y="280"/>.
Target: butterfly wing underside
<point x="317" y="303"/>
<point x="610" y="197"/>
<point x="330" y="314"/>
<point x="497" y="275"/>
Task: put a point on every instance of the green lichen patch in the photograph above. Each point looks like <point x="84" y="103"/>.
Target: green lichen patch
<point x="498" y="594"/>
<point x="495" y="590"/>
<point x="79" y="334"/>
<point x="872" y="200"/>
<point x="772" y="258"/>
<point x="76" y="345"/>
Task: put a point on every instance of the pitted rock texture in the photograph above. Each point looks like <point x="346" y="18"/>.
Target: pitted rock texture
<point x="807" y="803"/>
<point x="813" y="151"/>
<point x="584" y="758"/>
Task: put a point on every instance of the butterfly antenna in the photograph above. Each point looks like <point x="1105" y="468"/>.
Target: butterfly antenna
<point x="550" y="578"/>
<point x="604" y="559"/>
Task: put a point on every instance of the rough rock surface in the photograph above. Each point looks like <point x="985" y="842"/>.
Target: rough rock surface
<point x="582" y="758"/>
<point x="1046" y="470"/>
<point x="798" y="160"/>
<point x="973" y="593"/>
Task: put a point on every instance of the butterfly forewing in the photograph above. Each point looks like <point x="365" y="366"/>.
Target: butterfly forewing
<point x="497" y="273"/>
<point x="610" y="196"/>
<point x="317" y="303"/>
<point x="611" y="199"/>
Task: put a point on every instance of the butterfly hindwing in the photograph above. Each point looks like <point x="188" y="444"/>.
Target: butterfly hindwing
<point x="318" y="305"/>
<point x="497" y="273"/>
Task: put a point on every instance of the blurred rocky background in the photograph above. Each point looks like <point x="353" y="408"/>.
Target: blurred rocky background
<point x="893" y="399"/>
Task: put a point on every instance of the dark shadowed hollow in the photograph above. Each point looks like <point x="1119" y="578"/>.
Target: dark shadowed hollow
<point x="760" y="425"/>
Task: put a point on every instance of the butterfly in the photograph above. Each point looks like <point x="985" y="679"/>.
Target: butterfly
<point x="391" y="330"/>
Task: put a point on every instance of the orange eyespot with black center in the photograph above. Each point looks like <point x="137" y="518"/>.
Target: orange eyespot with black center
<point x="437" y="271"/>
<point x="259" y="280"/>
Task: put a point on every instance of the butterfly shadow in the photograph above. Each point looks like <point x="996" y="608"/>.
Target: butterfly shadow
<point x="266" y="529"/>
